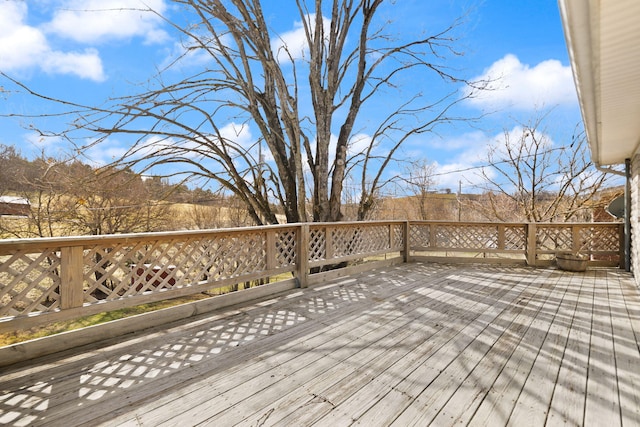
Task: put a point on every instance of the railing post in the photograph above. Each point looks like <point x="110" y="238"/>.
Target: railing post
<point x="622" y="250"/>
<point x="576" y="243"/>
<point x="405" y="240"/>
<point x="302" y="254"/>
<point x="501" y="236"/>
<point x="531" y="244"/>
<point x="433" y="240"/>
<point x="328" y="242"/>
<point x="270" y="241"/>
<point x="71" y="263"/>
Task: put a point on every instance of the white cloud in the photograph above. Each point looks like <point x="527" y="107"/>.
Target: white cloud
<point x="103" y="153"/>
<point x="86" y="65"/>
<point x="238" y="133"/>
<point x="465" y="141"/>
<point x="451" y="175"/>
<point x="23" y="47"/>
<point x="519" y="136"/>
<point x="40" y="143"/>
<point x="357" y="144"/>
<point x="294" y="43"/>
<point x="518" y="86"/>
<point x="20" y="45"/>
<point x="469" y="164"/>
<point x="184" y="56"/>
<point x="465" y="167"/>
<point x="98" y="21"/>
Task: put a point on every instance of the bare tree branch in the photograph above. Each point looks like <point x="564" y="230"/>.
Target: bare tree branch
<point x="534" y="181"/>
<point x="304" y="106"/>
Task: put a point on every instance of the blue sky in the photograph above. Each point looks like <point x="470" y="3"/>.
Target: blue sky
<point x="60" y="49"/>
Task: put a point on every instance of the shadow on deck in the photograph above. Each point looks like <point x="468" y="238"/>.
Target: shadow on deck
<point x="414" y="344"/>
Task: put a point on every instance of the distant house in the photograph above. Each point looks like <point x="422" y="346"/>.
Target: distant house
<point x="11" y="205"/>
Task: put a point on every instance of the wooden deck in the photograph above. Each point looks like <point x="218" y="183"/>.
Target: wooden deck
<point x="414" y="344"/>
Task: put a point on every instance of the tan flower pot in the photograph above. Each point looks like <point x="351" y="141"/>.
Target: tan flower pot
<point x="572" y="262"/>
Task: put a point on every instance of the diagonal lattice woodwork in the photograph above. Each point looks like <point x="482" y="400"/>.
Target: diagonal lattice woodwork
<point x="476" y="236"/>
<point x="419" y="235"/>
<point x="515" y="238"/>
<point x="397" y="231"/>
<point x="554" y="238"/>
<point x="317" y="244"/>
<point x="120" y="270"/>
<point x="599" y="239"/>
<point x="286" y="248"/>
<point x="467" y="236"/>
<point x="29" y="282"/>
<point x="242" y="255"/>
<point x="359" y="240"/>
<point x="113" y="271"/>
<point x="53" y="275"/>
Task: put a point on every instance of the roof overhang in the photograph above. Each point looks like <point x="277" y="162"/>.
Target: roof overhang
<point x="603" y="38"/>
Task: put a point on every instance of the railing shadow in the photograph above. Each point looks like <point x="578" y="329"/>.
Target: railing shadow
<point x="170" y="356"/>
<point x="100" y="383"/>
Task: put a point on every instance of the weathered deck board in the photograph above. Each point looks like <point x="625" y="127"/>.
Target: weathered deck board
<point x="414" y="344"/>
<point x="531" y="407"/>
<point x="567" y="404"/>
<point x="455" y="366"/>
<point x="342" y="356"/>
<point x="373" y="378"/>
<point x="602" y="383"/>
<point x="303" y="353"/>
<point x="462" y="405"/>
<point x="626" y="352"/>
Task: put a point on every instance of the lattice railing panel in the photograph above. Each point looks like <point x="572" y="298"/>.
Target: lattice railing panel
<point x="286" y="248"/>
<point x="29" y="282"/>
<point x="232" y="256"/>
<point x="554" y="238"/>
<point x="40" y="275"/>
<point x="515" y="238"/>
<point x="359" y="240"/>
<point x="106" y="268"/>
<point x="419" y="235"/>
<point x="121" y="270"/>
<point x="317" y="244"/>
<point x="397" y="231"/>
<point x="467" y="237"/>
<point x="113" y="271"/>
<point x="599" y="239"/>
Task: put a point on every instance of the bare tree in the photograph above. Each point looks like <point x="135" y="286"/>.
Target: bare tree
<point x="10" y="161"/>
<point x="236" y="214"/>
<point x="214" y="210"/>
<point x="68" y="197"/>
<point x="39" y="182"/>
<point x="420" y="183"/>
<point x="202" y="217"/>
<point x="350" y="64"/>
<point x="114" y="201"/>
<point x="531" y="179"/>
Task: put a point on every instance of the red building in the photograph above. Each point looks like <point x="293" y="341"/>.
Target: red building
<point x="10" y="205"/>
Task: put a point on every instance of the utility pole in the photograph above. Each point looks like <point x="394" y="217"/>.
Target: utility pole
<point x="459" y="203"/>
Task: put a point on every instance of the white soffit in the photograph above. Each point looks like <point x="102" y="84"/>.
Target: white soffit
<point x="603" y="38"/>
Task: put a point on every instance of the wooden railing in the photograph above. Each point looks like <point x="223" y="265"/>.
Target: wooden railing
<point x="47" y="280"/>
<point x="534" y="244"/>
